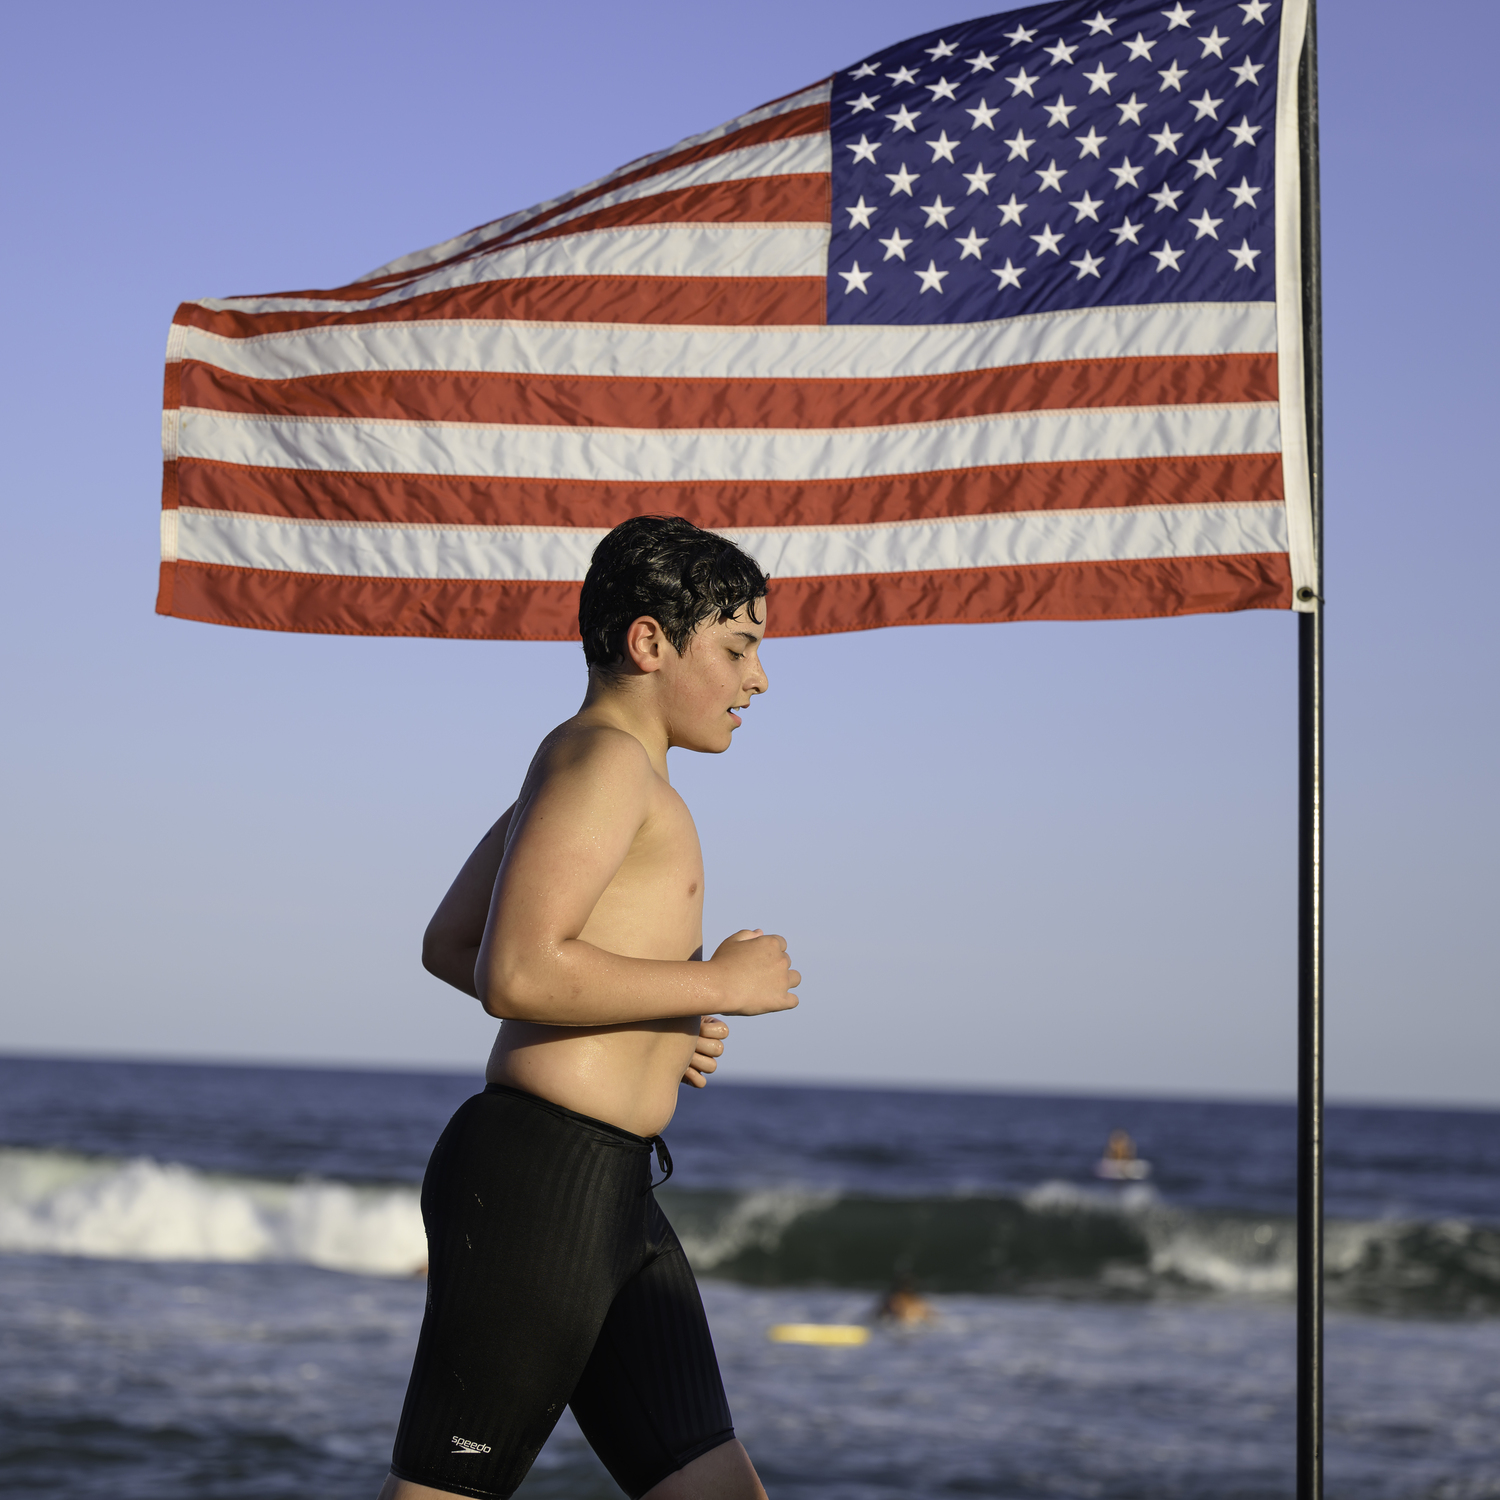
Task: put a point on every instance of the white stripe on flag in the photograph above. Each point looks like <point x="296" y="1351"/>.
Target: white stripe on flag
<point x="837" y="352"/>
<point x="664" y="456"/>
<point x="636" y="250"/>
<point x="373" y="550"/>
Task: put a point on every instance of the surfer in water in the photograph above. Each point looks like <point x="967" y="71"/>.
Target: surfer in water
<point x="555" y="1280"/>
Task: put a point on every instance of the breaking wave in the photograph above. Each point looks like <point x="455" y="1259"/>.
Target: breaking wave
<point x="1058" y="1239"/>
<point x="56" y="1203"/>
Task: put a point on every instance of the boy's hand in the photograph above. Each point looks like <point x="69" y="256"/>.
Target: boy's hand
<point x="756" y="973"/>
<point x="711" y="1034"/>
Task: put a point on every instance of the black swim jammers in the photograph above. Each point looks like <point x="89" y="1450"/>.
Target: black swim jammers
<point x="554" y="1280"/>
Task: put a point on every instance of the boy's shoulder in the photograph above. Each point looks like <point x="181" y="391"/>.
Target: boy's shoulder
<point x="599" y="751"/>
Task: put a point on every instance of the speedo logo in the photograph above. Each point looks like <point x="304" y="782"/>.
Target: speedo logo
<point x="466" y="1445"/>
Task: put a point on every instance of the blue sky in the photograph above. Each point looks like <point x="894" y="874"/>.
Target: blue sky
<point x="1036" y="856"/>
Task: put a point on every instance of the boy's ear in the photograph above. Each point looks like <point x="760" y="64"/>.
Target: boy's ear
<point x="646" y="644"/>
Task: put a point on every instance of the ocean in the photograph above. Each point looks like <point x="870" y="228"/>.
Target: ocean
<point x="212" y="1289"/>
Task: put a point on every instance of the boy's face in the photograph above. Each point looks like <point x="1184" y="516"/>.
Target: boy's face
<point x="719" y="672"/>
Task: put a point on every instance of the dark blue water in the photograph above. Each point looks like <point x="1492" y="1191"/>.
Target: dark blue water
<point x="209" y="1288"/>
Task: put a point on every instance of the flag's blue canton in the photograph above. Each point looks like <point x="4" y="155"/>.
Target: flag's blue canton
<point x="1055" y="157"/>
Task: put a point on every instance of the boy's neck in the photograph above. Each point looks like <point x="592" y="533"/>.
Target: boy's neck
<point x="629" y="704"/>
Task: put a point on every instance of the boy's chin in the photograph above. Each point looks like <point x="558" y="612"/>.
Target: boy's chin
<point x="710" y="742"/>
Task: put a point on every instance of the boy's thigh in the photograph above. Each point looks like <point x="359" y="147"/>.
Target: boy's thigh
<point x="650" y="1399"/>
<point x="522" y="1277"/>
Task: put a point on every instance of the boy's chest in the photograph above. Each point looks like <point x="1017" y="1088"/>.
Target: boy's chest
<point x="666" y="858"/>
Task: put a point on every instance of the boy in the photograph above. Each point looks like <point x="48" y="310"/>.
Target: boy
<point x="554" y="1277"/>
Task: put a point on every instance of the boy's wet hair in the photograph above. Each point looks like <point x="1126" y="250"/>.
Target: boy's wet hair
<point x="667" y="568"/>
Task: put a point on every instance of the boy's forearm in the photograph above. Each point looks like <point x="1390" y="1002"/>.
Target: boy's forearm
<point x="452" y="962"/>
<point x="578" y="984"/>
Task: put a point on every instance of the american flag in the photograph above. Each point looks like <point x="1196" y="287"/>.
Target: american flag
<point x="999" y="323"/>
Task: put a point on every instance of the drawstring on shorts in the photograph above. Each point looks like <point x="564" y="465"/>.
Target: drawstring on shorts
<point x="663" y="1160"/>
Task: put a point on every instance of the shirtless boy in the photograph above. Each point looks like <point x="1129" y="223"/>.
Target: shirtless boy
<point x="554" y="1277"/>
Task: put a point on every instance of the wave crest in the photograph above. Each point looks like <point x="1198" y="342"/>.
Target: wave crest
<point x="1059" y="1238"/>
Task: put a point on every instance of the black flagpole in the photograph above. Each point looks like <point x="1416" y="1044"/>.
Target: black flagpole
<point x="1310" y="827"/>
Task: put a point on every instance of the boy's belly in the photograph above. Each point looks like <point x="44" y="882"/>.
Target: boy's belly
<point x="626" y="1075"/>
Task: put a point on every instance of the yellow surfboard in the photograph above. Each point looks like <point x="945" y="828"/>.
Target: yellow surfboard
<point x="818" y="1333"/>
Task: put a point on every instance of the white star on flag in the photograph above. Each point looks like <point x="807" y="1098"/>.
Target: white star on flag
<point x="1130" y="111"/>
<point x="932" y="278"/>
<point x="1010" y="275"/>
<point x="1090" y="143"/>
<point x="1206" y="226"/>
<point x="1213" y="43"/>
<point x="1099" y="23"/>
<point x="1171" y="78"/>
<point x="1207" y="105"/>
<point x="1244" y="194"/>
<point x="1088" y="266"/>
<point x="1020" y="146"/>
<point x="856" y="279"/>
<point x="1244" y="133"/>
<point x="1057" y="114"/>
<point x="1021" y="84"/>
<point x="942" y="89"/>
<point x="984" y="115"/>
<point x="1125" y="173"/>
<point x="1177" y="16"/>
<point x="1244" y="257"/>
<point x="1047" y="241"/>
<point x="1010" y="213"/>
<point x="1248" y="72"/>
<point x="1099" y="79"/>
<point x="1166" y="139"/>
<point x="1088" y="208"/>
<point x="1139" y="48"/>
<point x="860" y="213"/>
<point x="905" y="119"/>
<point x="865" y="101"/>
<point x="943" y="49"/>
<point x="901" y="181"/>
<point x="1167" y="256"/>
<point x="895" y="246"/>
<point x="937" y="212"/>
<point x="942" y="147"/>
<point x="1061" y="53"/>
<point x="972" y="244"/>
<point x="864" y="149"/>
<point x="1203" y="166"/>
<point x="1166" y="198"/>
<point x="979" y="180"/>
<point x="984" y="61"/>
<point x="1052" y="176"/>
<point x="1019" y="35"/>
<point x="1127" y="231"/>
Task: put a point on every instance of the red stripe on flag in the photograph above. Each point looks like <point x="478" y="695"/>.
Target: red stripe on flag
<point x="421" y="499"/>
<point x="329" y="605"/>
<point x="796" y="198"/>
<point x="716" y="301"/>
<point x="614" y="401"/>
<point x="1061" y="591"/>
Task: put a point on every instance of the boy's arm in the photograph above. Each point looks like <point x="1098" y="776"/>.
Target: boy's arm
<point x="450" y="946"/>
<point x="571" y="838"/>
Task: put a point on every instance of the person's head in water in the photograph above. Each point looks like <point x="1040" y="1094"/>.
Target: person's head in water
<point x="680" y="612"/>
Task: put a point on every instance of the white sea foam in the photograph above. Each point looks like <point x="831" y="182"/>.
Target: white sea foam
<point x="56" y="1203"/>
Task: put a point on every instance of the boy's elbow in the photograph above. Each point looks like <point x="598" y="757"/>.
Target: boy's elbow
<point x="506" y="990"/>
